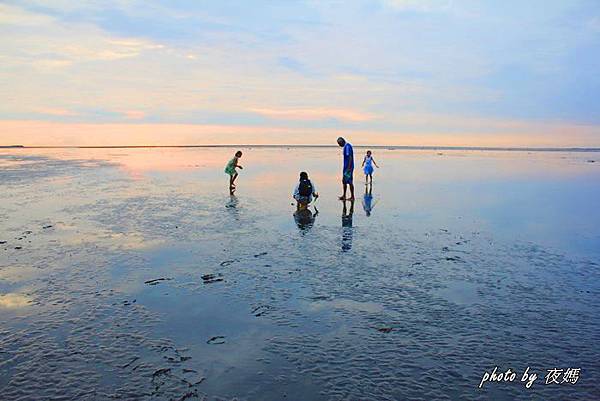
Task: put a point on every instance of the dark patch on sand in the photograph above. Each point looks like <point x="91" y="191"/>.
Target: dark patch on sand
<point x="157" y="280"/>
<point x="216" y="340"/>
<point x="212" y="278"/>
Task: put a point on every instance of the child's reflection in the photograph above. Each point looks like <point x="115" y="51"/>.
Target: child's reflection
<point x="232" y="206"/>
<point x="367" y="203"/>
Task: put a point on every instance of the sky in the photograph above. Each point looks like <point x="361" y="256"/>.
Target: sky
<point x="391" y="72"/>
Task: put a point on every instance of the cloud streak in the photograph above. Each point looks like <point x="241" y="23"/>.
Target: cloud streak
<point x="55" y="112"/>
<point x="314" y="114"/>
<point x="463" y="133"/>
<point x="419" y="5"/>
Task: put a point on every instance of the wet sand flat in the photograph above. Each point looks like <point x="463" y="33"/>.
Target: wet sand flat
<point x="133" y="274"/>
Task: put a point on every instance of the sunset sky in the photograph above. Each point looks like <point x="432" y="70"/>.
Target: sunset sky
<point x="403" y="72"/>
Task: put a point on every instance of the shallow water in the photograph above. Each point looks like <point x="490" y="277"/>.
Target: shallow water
<point x="132" y="274"/>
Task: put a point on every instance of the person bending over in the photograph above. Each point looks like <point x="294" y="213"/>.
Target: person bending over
<point x="348" y="169"/>
<point x="305" y="191"/>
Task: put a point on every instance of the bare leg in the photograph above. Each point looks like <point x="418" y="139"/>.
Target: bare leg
<point x="343" y="197"/>
<point x="351" y="192"/>
<point x="232" y="183"/>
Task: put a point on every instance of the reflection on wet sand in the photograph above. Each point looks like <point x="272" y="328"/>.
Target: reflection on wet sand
<point x="305" y="218"/>
<point x="14" y="301"/>
<point x="18" y="273"/>
<point x="232" y="206"/>
<point x="367" y="202"/>
<point x="347" y="230"/>
<point x="347" y="304"/>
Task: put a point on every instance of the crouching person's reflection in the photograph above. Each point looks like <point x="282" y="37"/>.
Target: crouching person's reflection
<point x="305" y="218"/>
<point x="347" y="225"/>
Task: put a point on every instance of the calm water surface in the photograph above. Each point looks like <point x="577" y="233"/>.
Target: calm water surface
<point x="132" y="274"/>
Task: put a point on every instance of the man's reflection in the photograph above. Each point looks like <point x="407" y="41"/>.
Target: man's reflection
<point x="347" y="225"/>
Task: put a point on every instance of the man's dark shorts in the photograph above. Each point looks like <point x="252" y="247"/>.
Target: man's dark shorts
<point x="347" y="179"/>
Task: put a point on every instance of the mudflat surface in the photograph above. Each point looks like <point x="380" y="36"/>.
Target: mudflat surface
<point x="133" y="274"/>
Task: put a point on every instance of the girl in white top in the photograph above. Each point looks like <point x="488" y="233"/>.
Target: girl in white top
<point x="368" y="163"/>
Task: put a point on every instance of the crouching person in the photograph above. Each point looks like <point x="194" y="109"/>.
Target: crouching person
<point x="304" y="192"/>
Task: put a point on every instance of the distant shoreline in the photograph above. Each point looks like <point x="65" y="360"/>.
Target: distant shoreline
<point x="388" y="147"/>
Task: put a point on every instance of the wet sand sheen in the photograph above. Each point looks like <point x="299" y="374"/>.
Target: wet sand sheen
<point x="135" y="275"/>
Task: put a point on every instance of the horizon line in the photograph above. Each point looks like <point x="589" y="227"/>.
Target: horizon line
<point x="390" y="147"/>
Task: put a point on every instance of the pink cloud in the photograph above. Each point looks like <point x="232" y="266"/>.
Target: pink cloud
<point x="34" y="133"/>
<point x="134" y="114"/>
<point x="314" y="114"/>
<point x="55" y="111"/>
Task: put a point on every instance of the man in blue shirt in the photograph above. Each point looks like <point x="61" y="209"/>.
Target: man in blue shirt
<point x="348" y="171"/>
